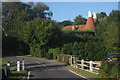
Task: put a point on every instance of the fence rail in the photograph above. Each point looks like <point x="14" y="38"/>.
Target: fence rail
<point x="17" y="67"/>
<point x="91" y="66"/>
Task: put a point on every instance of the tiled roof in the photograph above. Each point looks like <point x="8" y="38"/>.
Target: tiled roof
<point x="89" y="24"/>
<point x="81" y="27"/>
<point x="67" y="28"/>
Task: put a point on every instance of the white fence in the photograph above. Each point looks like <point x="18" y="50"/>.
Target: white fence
<point x="18" y="65"/>
<point x="91" y="66"/>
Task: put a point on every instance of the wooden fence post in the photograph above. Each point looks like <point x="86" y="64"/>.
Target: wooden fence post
<point x="23" y="65"/>
<point x="57" y="58"/>
<point x="8" y="68"/>
<point x="74" y="61"/>
<point x="28" y="75"/>
<point x="63" y="58"/>
<point x="18" y="66"/>
<point x="91" y="65"/>
<point x="71" y="60"/>
<point x="8" y="64"/>
<point x="82" y="64"/>
<point x="6" y="71"/>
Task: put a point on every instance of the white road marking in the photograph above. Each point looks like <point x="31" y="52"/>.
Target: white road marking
<point x="78" y="74"/>
<point x="44" y="65"/>
<point x="37" y="62"/>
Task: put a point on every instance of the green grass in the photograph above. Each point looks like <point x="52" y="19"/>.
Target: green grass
<point x="4" y="62"/>
<point x="13" y="73"/>
<point x="17" y="75"/>
<point x="84" y="73"/>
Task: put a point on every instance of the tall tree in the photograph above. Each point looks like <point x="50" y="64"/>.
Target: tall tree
<point x="107" y="29"/>
<point x="18" y="11"/>
<point x="101" y="15"/>
<point x="80" y="20"/>
<point x="39" y="34"/>
<point x="65" y="23"/>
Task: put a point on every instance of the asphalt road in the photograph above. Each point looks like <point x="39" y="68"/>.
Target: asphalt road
<point x="41" y="68"/>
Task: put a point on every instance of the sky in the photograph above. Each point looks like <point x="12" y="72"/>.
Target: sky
<point x="69" y="10"/>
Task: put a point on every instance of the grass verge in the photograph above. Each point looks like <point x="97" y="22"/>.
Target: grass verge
<point x="17" y="75"/>
<point x="13" y="74"/>
<point x="83" y="73"/>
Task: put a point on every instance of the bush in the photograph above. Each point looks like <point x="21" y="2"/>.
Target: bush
<point x="11" y="46"/>
<point x="55" y="52"/>
<point x="109" y="69"/>
<point x="64" y="58"/>
<point x="49" y="55"/>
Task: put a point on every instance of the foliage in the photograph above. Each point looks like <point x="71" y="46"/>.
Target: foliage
<point x="107" y="29"/>
<point x="12" y="46"/>
<point x="109" y="69"/>
<point x="16" y="21"/>
<point x="40" y="33"/>
<point x="89" y="50"/>
<point x="55" y="52"/>
<point x="101" y="15"/>
<point x="16" y="12"/>
<point x="65" y="23"/>
<point x="64" y="58"/>
<point x="29" y="34"/>
<point x="49" y="55"/>
<point x="79" y="20"/>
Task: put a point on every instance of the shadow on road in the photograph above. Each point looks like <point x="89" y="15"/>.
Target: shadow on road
<point x="33" y="64"/>
<point x="39" y="67"/>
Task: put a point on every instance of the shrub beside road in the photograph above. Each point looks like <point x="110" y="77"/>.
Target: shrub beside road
<point x="109" y="69"/>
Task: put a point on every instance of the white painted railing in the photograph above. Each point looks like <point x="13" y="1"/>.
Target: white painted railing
<point x="91" y="66"/>
<point x="18" y="65"/>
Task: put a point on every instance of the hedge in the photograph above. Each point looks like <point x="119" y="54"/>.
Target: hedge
<point x="64" y="58"/>
<point x="55" y="52"/>
<point x="49" y="55"/>
<point x="109" y="70"/>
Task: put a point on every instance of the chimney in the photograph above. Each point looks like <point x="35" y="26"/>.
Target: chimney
<point x="94" y="17"/>
<point x="89" y="24"/>
<point x="89" y="14"/>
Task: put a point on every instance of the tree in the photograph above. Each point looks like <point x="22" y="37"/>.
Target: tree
<point x="114" y="16"/>
<point x="79" y="20"/>
<point x="40" y="34"/>
<point x="101" y="15"/>
<point x="18" y="11"/>
<point x="65" y="23"/>
<point x="15" y="19"/>
<point x="107" y="29"/>
<point x="39" y="9"/>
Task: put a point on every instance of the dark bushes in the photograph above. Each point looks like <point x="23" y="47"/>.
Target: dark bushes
<point x="55" y="52"/>
<point x="11" y="46"/>
<point x="49" y="55"/>
<point x="64" y="58"/>
<point x="109" y="70"/>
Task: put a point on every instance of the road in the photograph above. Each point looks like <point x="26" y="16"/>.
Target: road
<point x="41" y="68"/>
